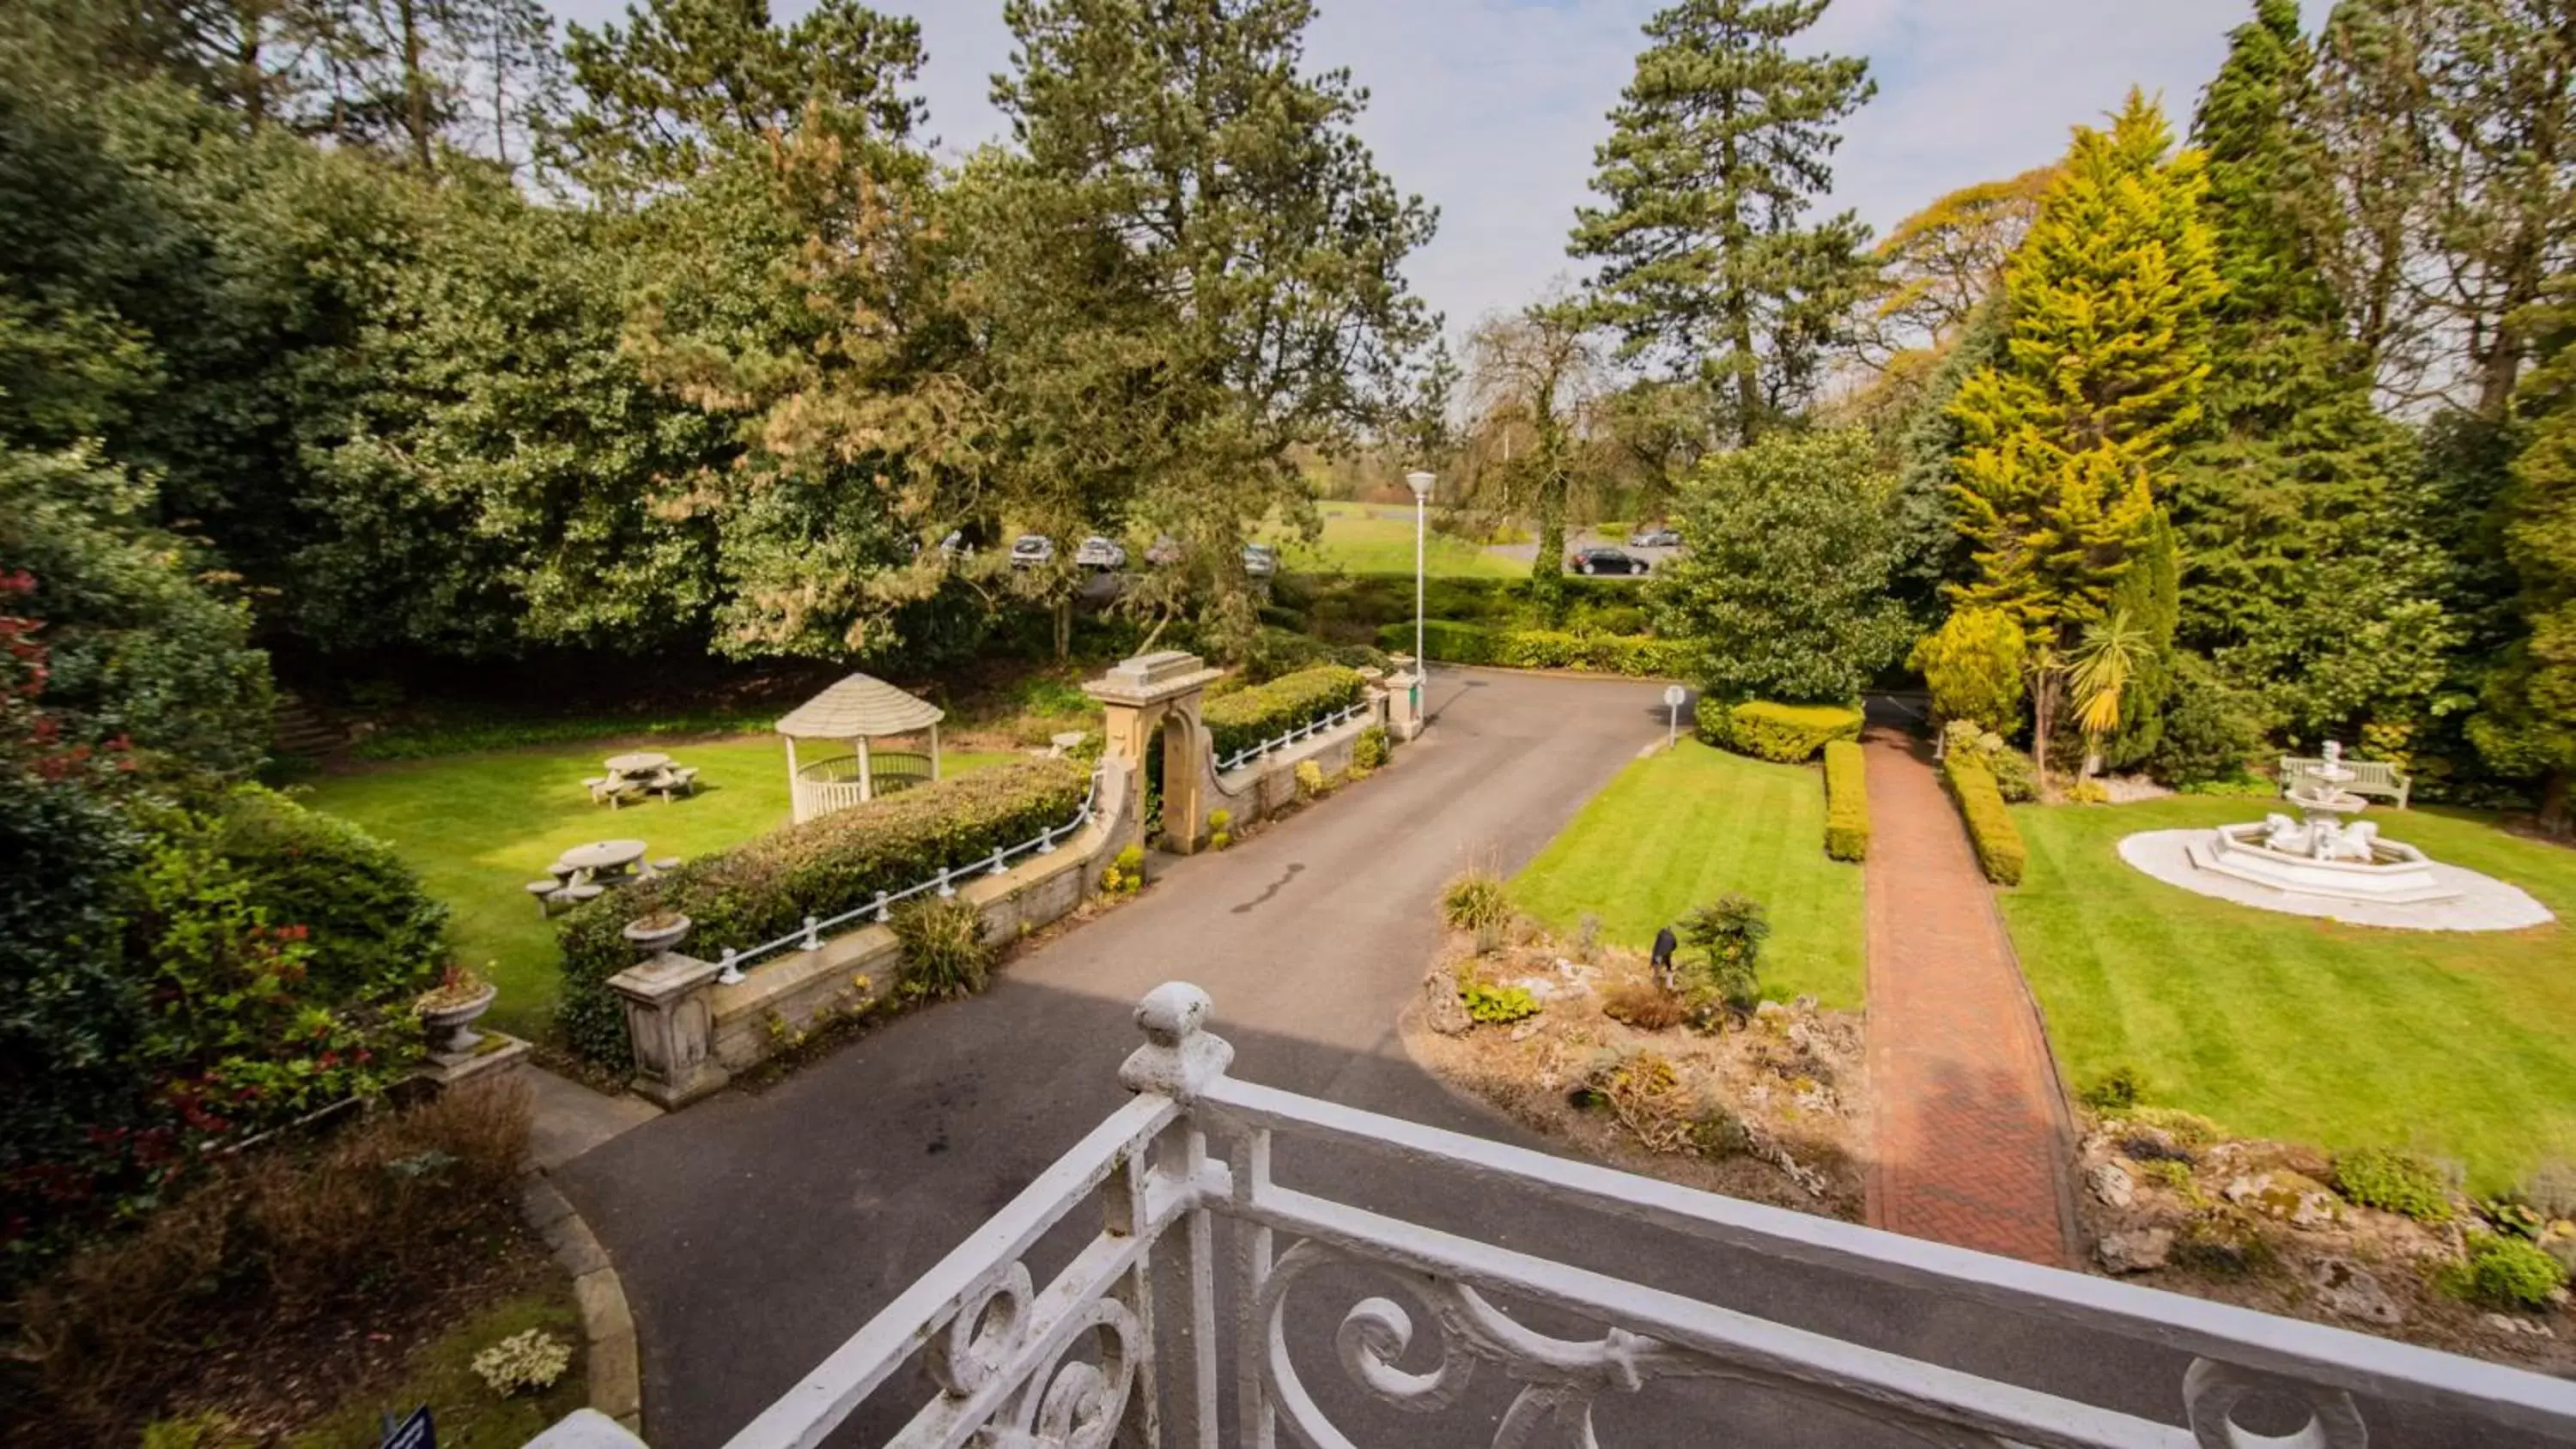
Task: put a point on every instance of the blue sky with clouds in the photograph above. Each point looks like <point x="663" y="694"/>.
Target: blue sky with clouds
<point x="1490" y="108"/>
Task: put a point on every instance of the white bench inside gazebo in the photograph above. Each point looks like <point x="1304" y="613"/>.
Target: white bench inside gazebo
<point x="855" y="711"/>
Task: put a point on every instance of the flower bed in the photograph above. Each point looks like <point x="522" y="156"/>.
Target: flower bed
<point x="826" y="866"/>
<point x="1245" y="718"/>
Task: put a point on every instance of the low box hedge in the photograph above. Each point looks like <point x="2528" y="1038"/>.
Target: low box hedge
<point x="1790" y="734"/>
<point x="2000" y="852"/>
<point x="1628" y="654"/>
<point x="1248" y="716"/>
<point x="1846" y="801"/>
<point x="765" y="888"/>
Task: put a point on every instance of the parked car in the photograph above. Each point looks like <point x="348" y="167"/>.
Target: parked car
<point x="1163" y="552"/>
<point x="1100" y="553"/>
<point x="1605" y="561"/>
<point x="1032" y="550"/>
<point x="1259" y="561"/>
<point x="1659" y="536"/>
<point x="955" y="544"/>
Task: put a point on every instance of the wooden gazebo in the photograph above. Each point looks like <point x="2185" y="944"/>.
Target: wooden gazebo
<point x="857" y="710"/>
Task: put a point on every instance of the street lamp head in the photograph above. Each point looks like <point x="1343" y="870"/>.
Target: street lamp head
<point x="1420" y="483"/>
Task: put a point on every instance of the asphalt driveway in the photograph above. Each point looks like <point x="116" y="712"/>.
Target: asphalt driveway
<point x="755" y="1232"/>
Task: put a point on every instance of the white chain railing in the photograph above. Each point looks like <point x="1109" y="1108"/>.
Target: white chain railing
<point x="1077" y="1363"/>
<point x="879" y="910"/>
<point x="1308" y="730"/>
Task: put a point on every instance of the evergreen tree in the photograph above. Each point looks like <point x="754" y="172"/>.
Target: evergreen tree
<point x="2302" y="572"/>
<point x="1719" y="146"/>
<point x="1932" y="554"/>
<point x="2528" y="725"/>
<point x="2067" y="438"/>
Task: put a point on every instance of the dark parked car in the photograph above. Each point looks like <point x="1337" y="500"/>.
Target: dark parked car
<point x="1605" y="561"/>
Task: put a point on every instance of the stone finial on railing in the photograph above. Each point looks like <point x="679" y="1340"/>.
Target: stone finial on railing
<point x="1178" y="1060"/>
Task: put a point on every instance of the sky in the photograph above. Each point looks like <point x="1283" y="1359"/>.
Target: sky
<point x="1490" y="109"/>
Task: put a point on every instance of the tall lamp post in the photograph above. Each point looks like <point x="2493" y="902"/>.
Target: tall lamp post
<point x="1420" y="483"/>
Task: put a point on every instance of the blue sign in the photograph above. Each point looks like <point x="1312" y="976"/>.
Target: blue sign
<point x="416" y="1432"/>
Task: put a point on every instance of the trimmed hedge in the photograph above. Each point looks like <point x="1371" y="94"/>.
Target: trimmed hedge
<point x="1630" y="654"/>
<point x="766" y="888"/>
<point x="374" y="930"/>
<point x="1846" y="801"/>
<point x="1790" y="734"/>
<point x="1990" y="826"/>
<point x="1265" y="711"/>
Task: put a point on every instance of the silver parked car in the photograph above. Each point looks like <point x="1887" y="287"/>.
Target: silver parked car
<point x="1259" y="560"/>
<point x="1659" y="536"/>
<point x="1100" y="553"/>
<point x="1032" y="550"/>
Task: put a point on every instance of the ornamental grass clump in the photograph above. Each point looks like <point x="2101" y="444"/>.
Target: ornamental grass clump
<point x="945" y="954"/>
<point x="2503" y="1272"/>
<point x="1475" y="900"/>
<point x="824" y="867"/>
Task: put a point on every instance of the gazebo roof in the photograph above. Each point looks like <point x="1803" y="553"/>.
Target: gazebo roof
<point x="860" y="706"/>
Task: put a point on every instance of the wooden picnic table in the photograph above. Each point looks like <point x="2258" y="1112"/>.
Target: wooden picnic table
<point x="642" y="762"/>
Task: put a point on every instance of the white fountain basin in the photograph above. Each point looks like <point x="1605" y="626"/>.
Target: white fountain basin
<point x="2396" y="874"/>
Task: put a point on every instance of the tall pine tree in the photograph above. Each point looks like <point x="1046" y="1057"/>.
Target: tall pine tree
<point x="2302" y="574"/>
<point x="1719" y="146"/>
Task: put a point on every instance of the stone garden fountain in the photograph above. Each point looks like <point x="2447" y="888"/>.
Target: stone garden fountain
<point x="2325" y="852"/>
<point x="2328" y="862"/>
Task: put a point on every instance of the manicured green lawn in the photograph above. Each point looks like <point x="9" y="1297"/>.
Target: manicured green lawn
<point x="1377" y="538"/>
<point x="1681" y="828"/>
<point x="2463" y="1046"/>
<point x="479" y="827"/>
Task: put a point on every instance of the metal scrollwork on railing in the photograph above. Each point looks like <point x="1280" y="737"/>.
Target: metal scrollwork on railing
<point x="1559" y="1377"/>
<point x="990" y="1326"/>
<point x="2211" y="1391"/>
<point x="1060" y="1401"/>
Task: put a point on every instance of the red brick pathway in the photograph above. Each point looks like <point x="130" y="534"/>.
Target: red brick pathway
<point x="1970" y="1135"/>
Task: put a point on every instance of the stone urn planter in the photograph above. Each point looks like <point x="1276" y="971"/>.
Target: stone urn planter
<point x="449" y="1011"/>
<point x="654" y="934"/>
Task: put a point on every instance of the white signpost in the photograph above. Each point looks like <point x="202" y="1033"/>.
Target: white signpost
<point x="1674" y="698"/>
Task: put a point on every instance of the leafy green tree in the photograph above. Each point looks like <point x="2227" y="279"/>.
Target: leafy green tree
<point x="1188" y="268"/>
<point x="1783" y="594"/>
<point x="142" y="650"/>
<point x="1932" y="552"/>
<point x="1719" y="146"/>
<point x="1539" y="368"/>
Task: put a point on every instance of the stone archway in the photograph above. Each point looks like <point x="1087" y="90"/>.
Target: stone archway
<point x="1153" y="702"/>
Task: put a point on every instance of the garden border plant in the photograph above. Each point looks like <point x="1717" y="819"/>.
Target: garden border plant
<point x="1632" y="655"/>
<point x="1846" y="801"/>
<point x="1787" y="734"/>
<point x="1259" y="712"/>
<point x="2000" y="851"/>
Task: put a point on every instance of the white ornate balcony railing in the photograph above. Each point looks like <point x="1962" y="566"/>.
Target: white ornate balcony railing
<point x="1081" y="1362"/>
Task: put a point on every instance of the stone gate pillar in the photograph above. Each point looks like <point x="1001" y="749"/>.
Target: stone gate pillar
<point x="1140" y="696"/>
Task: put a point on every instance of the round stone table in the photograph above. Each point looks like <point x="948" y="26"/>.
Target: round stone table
<point x="602" y="855"/>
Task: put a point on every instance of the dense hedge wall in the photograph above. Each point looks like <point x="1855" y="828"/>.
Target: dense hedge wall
<point x="1538" y="648"/>
<point x="1846" y="801"/>
<point x="1369" y="601"/>
<point x="373" y="927"/>
<point x="1265" y="711"/>
<point x="1990" y="825"/>
<point x="765" y="888"/>
<point x="1791" y="734"/>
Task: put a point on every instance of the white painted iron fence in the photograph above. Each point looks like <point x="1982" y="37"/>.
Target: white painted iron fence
<point x="1308" y="730"/>
<point x="880" y="909"/>
<point x="1081" y="1362"/>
